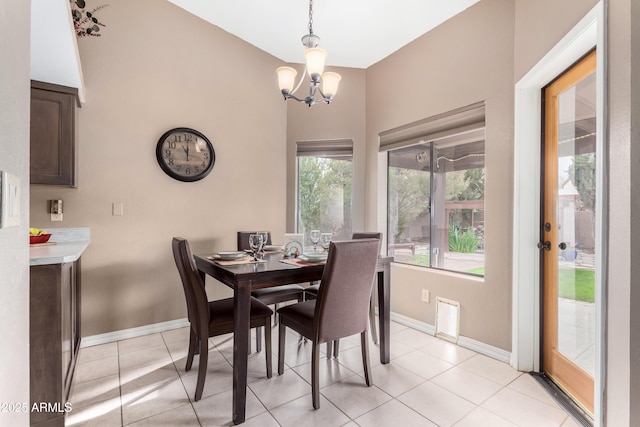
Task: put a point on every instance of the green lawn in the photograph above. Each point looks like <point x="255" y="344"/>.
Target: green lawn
<point x="576" y="284"/>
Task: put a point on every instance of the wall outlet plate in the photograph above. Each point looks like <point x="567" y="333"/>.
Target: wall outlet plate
<point x="425" y="295"/>
<point x="9" y="200"/>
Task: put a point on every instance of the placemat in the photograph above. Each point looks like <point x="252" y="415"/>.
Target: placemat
<point x="300" y="263"/>
<point x="247" y="260"/>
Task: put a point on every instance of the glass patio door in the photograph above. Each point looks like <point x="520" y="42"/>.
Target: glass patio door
<point x="568" y="231"/>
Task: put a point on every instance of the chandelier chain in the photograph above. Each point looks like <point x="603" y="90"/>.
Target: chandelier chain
<point x="310" y="16"/>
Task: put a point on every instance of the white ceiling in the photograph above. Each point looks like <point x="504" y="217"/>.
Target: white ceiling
<point x="54" y="48"/>
<point x="355" y="33"/>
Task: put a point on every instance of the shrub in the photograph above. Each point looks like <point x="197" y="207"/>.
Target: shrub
<point x="464" y="241"/>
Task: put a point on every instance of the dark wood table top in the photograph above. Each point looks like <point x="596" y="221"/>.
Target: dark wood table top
<point x="266" y="274"/>
<point x="261" y="275"/>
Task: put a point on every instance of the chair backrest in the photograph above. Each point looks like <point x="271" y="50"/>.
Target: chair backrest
<point x="194" y="291"/>
<point x="243" y="239"/>
<point x="342" y="306"/>
<point x="368" y="235"/>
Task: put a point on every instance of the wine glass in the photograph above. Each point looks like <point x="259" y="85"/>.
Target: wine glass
<point x="325" y="240"/>
<point x="265" y="238"/>
<point x="315" y="238"/>
<point x="255" y="243"/>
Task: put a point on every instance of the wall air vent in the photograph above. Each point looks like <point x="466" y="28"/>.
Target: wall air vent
<point x="447" y="319"/>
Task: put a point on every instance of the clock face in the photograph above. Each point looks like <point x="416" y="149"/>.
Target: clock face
<point x="185" y="154"/>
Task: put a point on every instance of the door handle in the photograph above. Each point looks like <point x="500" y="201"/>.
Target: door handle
<point x="562" y="246"/>
<point x="544" y="245"/>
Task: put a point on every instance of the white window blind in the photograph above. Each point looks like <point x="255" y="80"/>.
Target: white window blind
<point x="460" y="120"/>
<point x="333" y="148"/>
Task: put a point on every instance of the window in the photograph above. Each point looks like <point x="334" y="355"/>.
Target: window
<point x="436" y="199"/>
<point x="325" y="175"/>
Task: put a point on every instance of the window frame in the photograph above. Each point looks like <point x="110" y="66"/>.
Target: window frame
<point x="449" y="125"/>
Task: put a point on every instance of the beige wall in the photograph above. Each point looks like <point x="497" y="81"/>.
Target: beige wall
<point x="14" y="249"/>
<point x="539" y="25"/>
<point x="157" y="67"/>
<point x="465" y="60"/>
<point x="634" y="230"/>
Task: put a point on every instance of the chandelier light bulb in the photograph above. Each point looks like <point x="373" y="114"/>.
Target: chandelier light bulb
<point x="330" y="81"/>
<point x="286" y="78"/>
<point x="315" y="62"/>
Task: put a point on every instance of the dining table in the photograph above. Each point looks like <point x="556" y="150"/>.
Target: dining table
<point x="274" y="270"/>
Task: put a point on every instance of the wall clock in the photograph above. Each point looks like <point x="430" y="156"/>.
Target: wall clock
<point x="185" y="154"/>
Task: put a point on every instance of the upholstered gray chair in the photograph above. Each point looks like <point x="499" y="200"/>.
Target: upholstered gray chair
<point x="211" y="318"/>
<point x="274" y="295"/>
<point x="341" y="308"/>
<point x="312" y="291"/>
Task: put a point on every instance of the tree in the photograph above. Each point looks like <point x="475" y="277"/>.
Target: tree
<point x="324" y="195"/>
<point x="409" y="192"/>
<point x="582" y="173"/>
<point x="474" y="178"/>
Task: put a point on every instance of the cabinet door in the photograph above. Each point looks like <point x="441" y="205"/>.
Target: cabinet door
<point x="45" y="329"/>
<point x="52" y="137"/>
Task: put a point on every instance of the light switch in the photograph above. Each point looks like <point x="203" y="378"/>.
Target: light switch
<point x="118" y="209"/>
<point x="9" y="200"/>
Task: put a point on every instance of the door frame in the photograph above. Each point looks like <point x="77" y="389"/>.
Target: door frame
<point x="526" y="301"/>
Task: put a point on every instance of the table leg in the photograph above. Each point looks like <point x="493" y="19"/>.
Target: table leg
<point x="384" y="314"/>
<point x="241" y="310"/>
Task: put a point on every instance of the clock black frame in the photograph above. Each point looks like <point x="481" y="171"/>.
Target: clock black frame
<point x="172" y="173"/>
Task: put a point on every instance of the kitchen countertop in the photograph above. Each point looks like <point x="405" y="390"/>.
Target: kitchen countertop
<point x="70" y="244"/>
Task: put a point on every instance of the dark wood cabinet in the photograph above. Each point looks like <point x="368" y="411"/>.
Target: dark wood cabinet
<point x="53" y="151"/>
<point x="54" y="338"/>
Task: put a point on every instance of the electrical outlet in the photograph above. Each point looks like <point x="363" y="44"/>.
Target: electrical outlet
<point x="425" y="295"/>
<point x="56" y="217"/>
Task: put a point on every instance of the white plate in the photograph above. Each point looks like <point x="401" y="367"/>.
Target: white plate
<point x="273" y="248"/>
<point x="312" y="259"/>
<point x="315" y="255"/>
<point x="230" y="255"/>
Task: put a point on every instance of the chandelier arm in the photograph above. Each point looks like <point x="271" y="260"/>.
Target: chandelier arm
<point x="290" y="96"/>
<point x="304" y="73"/>
<point x="325" y="98"/>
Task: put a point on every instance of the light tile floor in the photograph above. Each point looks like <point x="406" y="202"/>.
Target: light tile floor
<point x="429" y="382"/>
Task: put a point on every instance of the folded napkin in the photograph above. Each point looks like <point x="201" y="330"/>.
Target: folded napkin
<point x="300" y="263"/>
<point x="246" y="260"/>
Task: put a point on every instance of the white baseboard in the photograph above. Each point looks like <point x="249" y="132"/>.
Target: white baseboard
<point x="471" y="344"/>
<point x="133" y="332"/>
<point x="486" y="349"/>
<point x="414" y="324"/>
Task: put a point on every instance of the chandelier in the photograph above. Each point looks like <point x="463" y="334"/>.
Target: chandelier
<point x="314" y="67"/>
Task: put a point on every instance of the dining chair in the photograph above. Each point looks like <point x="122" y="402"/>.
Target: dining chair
<point x="274" y="295"/>
<point x="211" y="318"/>
<point x="341" y="308"/>
<point x="311" y="292"/>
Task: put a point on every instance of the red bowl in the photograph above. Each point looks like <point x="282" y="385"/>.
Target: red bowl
<point x="43" y="238"/>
